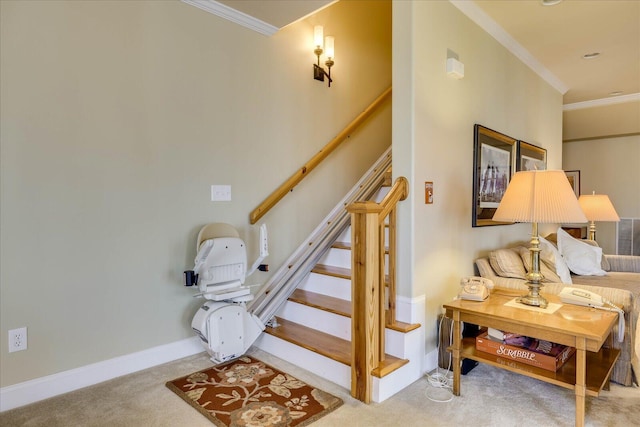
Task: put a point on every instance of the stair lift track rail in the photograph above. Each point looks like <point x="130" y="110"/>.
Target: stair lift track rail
<point x="286" y="279"/>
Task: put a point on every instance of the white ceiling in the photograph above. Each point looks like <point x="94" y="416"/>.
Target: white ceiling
<point x="558" y="36"/>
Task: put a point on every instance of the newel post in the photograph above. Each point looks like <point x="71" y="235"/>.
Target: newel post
<point x="365" y="297"/>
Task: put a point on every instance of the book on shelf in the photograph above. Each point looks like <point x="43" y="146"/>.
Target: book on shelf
<point x="531" y="351"/>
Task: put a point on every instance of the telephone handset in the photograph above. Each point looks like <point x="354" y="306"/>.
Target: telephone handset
<point x="475" y="288"/>
<point x="587" y="298"/>
<point x="581" y="297"/>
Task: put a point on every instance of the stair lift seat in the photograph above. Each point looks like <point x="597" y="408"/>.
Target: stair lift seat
<point x="225" y="327"/>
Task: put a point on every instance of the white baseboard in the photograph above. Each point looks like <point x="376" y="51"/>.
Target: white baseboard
<point x="37" y="389"/>
<point x="431" y="361"/>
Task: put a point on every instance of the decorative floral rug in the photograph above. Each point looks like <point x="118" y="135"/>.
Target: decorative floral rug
<point x="248" y="393"/>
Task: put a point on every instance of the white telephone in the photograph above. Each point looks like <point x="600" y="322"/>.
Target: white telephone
<point x="587" y="298"/>
<point x="475" y="288"/>
<point x="581" y="297"/>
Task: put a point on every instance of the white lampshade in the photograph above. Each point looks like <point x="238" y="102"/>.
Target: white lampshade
<point x="318" y="35"/>
<point x="329" y="47"/>
<point x="598" y="207"/>
<point x="539" y="196"/>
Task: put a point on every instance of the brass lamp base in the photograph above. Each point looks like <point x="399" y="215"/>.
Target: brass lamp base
<point x="534" y="277"/>
<point x="534" y="300"/>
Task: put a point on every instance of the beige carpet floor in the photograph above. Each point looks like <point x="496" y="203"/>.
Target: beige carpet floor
<point x="490" y="397"/>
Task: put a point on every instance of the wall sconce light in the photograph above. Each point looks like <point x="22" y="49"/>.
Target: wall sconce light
<point x="318" y="71"/>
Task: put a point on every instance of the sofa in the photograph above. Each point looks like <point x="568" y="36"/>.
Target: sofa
<point x="614" y="277"/>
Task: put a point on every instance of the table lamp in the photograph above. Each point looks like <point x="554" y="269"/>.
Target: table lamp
<point x="597" y="207"/>
<point x="539" y="196"/>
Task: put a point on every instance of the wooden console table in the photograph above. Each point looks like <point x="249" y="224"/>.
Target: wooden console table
<point x="586" y="329"/>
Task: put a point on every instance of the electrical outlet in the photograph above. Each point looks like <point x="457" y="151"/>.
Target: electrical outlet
<point x="17" y="339"/>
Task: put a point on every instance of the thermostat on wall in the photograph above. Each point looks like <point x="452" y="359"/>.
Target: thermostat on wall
<point x="455" y="68"/>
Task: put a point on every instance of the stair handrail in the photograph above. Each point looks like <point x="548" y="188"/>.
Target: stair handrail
<point x="279" y="287"/>
<point x="370" y="314"/>
<point x="301" y="173"/>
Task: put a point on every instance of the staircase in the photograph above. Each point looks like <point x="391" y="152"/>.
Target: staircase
<point x="312" y="329"/>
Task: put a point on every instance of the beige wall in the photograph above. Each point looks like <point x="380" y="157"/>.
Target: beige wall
<point x="117" y="117"/>
<point x="608" y="166"/>
<point x="604" y="121"/>
<point x="433" y="120"/>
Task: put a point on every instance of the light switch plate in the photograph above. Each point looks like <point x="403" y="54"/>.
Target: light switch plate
<point x="220" y="193"/>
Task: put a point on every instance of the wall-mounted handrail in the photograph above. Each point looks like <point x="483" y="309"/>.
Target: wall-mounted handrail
<point x="301" y="173"/>
<point x="368" y="296"/>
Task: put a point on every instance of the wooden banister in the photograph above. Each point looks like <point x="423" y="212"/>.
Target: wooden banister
<point x="371" y="311"/>
<point x="301" y="173"/>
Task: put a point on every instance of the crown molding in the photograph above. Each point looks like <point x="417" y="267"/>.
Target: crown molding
<point x="233" y="15"/>
<point x="477" y="15"/>
<point x="601" y="102"/>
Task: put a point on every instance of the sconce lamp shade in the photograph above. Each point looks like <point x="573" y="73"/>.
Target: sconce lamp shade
<point x="318" y="35"/>
<point x="540" y="196"/>
<point x="329" y="47"/>
<point x="598" y="207"/>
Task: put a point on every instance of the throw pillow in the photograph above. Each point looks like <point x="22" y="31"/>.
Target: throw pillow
<point x="551" y="256"/>
<point x="507" y="263"/>
<point x="581" y="258"/>
<point x="605" y="263"/>
<point x="548" y="274"/>
<point x="553" y="238"/>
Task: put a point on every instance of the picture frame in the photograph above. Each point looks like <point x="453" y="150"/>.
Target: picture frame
<point x="530" y="157"/>
<point x="574" y="180"/>
<point x="493" y="165"/>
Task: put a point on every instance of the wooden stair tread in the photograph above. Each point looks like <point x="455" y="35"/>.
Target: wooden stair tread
<point x="388" y="365"/>
<point x="341" y="245"/>
<point x="340" y="272"/>
<point x="322" y="302"/>
<point x="347" y="246"/>
<point x="327" y="345"/>
<point x="330" y="270"/>
<point x="403" y="327"/>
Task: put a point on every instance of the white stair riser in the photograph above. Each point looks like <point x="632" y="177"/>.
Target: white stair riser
<point x="384" y="388"/>
<point x="337" y="258"/>
<point x="396" y="343"/>
<point x="322" y="366"/>
<point x="342" y="258"/>
<point x="399" y="344"/>
<point x="345" y="236"/>
<point x="336" y="372"/>
<point x="327" y="285"/>
<point x="320" y="320"/>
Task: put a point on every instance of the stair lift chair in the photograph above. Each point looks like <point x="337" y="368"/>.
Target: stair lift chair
<point x="225" y="327"/>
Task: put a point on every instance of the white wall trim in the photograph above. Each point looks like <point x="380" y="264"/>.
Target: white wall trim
<point x="410" y="310"/>
<point x="431" y="361"/>
<point x="602" y="102"/>
<point x="477" y="15"/>
<point x="233" y="15"/>
<point x="41" y="388"/>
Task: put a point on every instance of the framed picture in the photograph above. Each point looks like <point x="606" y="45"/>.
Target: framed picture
<point x="493" y="164"/>
<point x="574" y="180"/>
<point x="530" y="157"/>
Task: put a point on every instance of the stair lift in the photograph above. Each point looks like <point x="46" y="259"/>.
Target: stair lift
<point x="225" y="327"/>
